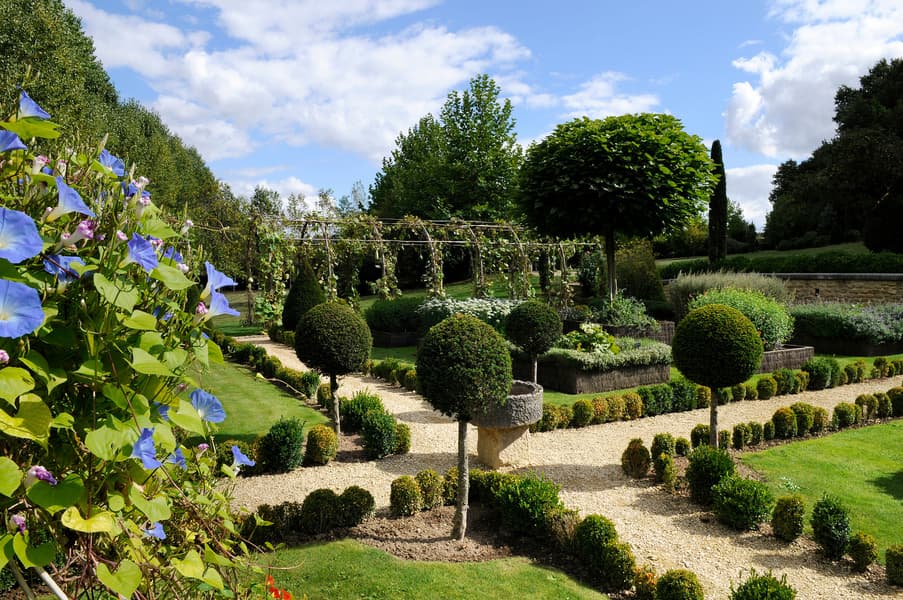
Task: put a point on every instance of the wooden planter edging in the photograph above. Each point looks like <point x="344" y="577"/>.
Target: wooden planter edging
<point x="391" y="339"/>
<point x="787" y="357"/>
<point x="848" y="347"/>
<point x="572" y="380"/>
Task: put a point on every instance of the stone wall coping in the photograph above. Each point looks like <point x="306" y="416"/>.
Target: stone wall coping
<point x="840" y="276"/>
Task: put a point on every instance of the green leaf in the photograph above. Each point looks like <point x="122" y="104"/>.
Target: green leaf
<point x="151" y="341"/>
<point x="63" y="421"/>
<point x="33" y="556"/>
<point x="10" y="477"/>
<point x="187" y="418"/>
<point x="215" y="353"/>
<point x="143" y="362"/>
<point x="105" y="442"/>
<point x="91" y="370"/>
<point x="14" y="382"/>
<point x="126" y="579"/>
<point x="158" y="229"/>
<point x="155" y="509"/>
<point x="32" y="422"/>
<point x="191" y="566"/>
<point x="6" y="549"/>
<point x="140" y="320"/>
<point x="218" y="559"/>
<point x="118" y="294"/>
<point x="175" y="358"/>
<point x="115" y="501"/>
<point x="32" y="127"/>
<point x="171" y="277"/>
<point x="115" y="395"/>
<point x="55" y="498"/>
<point x="51" y="377"/>
<point x="212" y="578"/>
<point x="102" y="522"/>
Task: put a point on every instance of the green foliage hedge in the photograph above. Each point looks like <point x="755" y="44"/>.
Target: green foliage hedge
<point x="647" y="354"/>
<point x="788" y="517"/>
<point x="279" y="450"/>
<point x="874" y="323"/>
<point x="304" y="293"/>
<point x="742" y="503"/>
<point x="678" y="584"/>
<point x="404" y="496"/>
<point x="894" y="564"/>
<point x="770" y="317"/>
<point x="827" y="262"/>
<point x="707" y="467"/>
<point x="831" y="526"/>
<point x="398" y="315"/>
<point x="763" y="587"/>
<point x="687" y="287"/>
<point x="322" y="445"/>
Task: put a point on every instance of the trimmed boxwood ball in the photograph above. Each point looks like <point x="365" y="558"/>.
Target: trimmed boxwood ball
<point x="593" y="531"/>
<point x="708" y="466"/>
<point x="784" y="421"/>
<point x="831" y="526"/>
<point x="332" y="338"/>
<point x="533" y="326"/>
<point x="863" y="551"/>
<point x="402" y="438"/>
<point x="404" y="496"/>
<point x="583" y="413"/>
<point x="304" y="293"/>
<point x="432" y="486"/>
<point x="678" y="584"/>
<point x="356" y="505"/>
<point x="788" y="516"/>
<point x="322" y="445"/>
<point x="279" y="450"/>
<point x="635" y="460"/>
<point x="763" y="587"/>
<point x="767" y="387"/>
<point x="319" y="511"/>
<point x="893" y="560"/>
<point x="742" y="503"/>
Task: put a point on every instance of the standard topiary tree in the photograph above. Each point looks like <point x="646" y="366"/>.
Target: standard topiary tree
<point x="716" y="346"/>
<point x="304" y="293"/>
<point x="463" y="367"/>
<point x="533" y="326"/>
<point x="334" y="340"/>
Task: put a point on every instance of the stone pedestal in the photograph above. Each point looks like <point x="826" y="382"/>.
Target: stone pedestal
<point x="503" y="435"/>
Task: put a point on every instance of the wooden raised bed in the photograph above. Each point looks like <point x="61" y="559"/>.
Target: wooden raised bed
<point x="572" y="380"/>
<point x="848" y="347"/>
<point x="786" y="357"/>
<point x="664" y="334"/>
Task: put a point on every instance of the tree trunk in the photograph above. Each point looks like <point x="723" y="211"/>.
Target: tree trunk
<point x="713" y="420"/>
<point x="460" y="523"/>
<point x="334" y="386"/>
<point x="610" y="264"/>
<point x="535" y="369"/>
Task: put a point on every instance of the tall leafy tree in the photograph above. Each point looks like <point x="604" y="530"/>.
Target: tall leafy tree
<point x="718" y="208"/>
<point x="462" y="164"/>
<point x="637" y="175"/>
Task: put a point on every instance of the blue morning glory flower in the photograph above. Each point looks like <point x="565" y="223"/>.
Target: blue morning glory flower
<point x="215" y="280"/>
<point x="129" y="189"/>
<point x="61" y="266"/>
<point x="154" y="530"/>
<point x="111" y="162"/>
<point x="208" y="406"/>
<point x="145" y="451"/>
<point x="30" y="108"/>
<point x="20" y="309"/>
<point x="19" y="238"/>
<point x="177" y="458"/>
<point x="69" y="202"/>
<point x="173" y="254"/>
<point x="239" y="459"/>
<point x="142" y="251"/>
<point x="10" y="141"/>
<point x="219" y="305"/>
<point x="163" y="409"/>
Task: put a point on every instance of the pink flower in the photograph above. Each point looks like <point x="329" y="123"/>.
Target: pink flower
<point x="202" y="309"/>
<point x="202" y="447"/>
<point x="4" y="357"/>
<point x="121" y="236"/>
<point x="38" y="473"/>
<point x="17" y="521"/>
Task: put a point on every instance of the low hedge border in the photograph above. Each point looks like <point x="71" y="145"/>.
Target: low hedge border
<point x="827" y="262"/>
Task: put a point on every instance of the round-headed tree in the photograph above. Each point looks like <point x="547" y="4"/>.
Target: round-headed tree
<point x="333" y="339"/>
<point x="637" y="175"/>
<point x="716" y="346"/>
<point x="304" y="293"/>
<point x="463" y="367"/>
<point x="533" y="326"/>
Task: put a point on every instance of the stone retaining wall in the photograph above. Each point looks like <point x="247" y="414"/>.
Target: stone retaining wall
<point x="844" y="287"/>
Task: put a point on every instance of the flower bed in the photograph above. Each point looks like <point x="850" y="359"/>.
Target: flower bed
<point x="850" y="329"/>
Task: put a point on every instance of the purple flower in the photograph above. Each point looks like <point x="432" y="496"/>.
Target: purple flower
<point x="30" y="108"/>
<point x="141" y="251"/>
<point x="208" y="406"/>
<point x="69" y="202"/>
<point x="17" y="521"/>
<point x="177" y="458"/>
<point x="10" y="141"/>
<point x="19" y="238"/>
<point x="239" y="459"/>
<point x="61" y="266"/>
<point x="219" y="305"/>
<point x="83" y="231"/>
<point x="145" y="451"/>
<point x="111" y="162"/>
<point x="163" y="409"/>
<point x="215" y="280"/>
<point x="203" y="447"/>
<point x="4" y="357"/>
<point x="20" y="309"/>
<point x="38" y="473"/>
<point x="172" y="254"/>
<point x="154" y="530"/>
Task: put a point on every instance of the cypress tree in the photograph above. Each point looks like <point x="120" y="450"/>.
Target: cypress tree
<point x="304" y="294"/>
<point x="718" y="209"/>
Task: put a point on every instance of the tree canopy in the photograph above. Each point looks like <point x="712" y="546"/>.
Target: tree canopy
<point x="462" y="164"/>
<point x="637" y="175"/>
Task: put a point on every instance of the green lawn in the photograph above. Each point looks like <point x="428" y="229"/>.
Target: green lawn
<point x="402" y="353"/>
<point x="252" y="404"/>
<point x="346" y="569"/>
<point x="863" y="467"/>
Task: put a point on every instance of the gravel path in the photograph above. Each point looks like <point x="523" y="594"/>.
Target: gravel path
<point x="664" y="531"/>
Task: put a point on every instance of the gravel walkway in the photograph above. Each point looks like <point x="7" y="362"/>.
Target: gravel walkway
<point x="664" y="531"/>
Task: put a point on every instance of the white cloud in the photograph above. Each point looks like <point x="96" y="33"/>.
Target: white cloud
<point x="750" y="186"/>
<point x="787" y="109"/>
<point x="285" y="187"/>
<point x="599" y="97"/>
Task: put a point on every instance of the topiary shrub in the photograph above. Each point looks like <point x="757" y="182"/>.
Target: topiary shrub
<point x="410" y="380"/>
<point x="768" y="431"/>
<point x="724" y="439"/>
<point x="707" y="467"/>
<point x="396" y="315"/>
<point x="678" y="584"/>
<point x="285" y="519"/>
<point x="561" y="523"/>
<point x="402" y="438"/>
<point x="884" y="409"/>
<point x="635" y="460"/>
<point x="319" y="511"/>
<point x="609" y="564"/>
<point x="324" y="396"/>
<point x="802" y="381"/>
<point x="684" y="394"/>
<point x="633" y="405"/>
<point x="310" y="382"/>
<point x="785" y="380"/>
<point x="356" y="505"/>
<point x="742" y="503"/>
<point x="851" y="374"/>
<point x="662" y="443"/>
<point x="787" y="517"/>
<point x="844" y="415"/>
<point x="582" y="413"/>
<point x="863" y="550"/>
<point x="784" y="421"/>
<point x="738" y="392"/>
<point x="524" y="501"/>
<point x="893" y="562"/>
<point x="617" y="408"/>
<point x="322" y="445"/>
<point x="304" y="293"/>
<point x="594" y="531"/>
<point x="722" y="395"/>
<point x="767" y="387"/>
<point x="564" y="416"/>
<point x="881" y="364"/>
<point x="279" y="450"/>
<point x="378" y="434"/>
<point x="703" y="396"/>
<point x="763" y="587"/>
<point x="600" y="410"/>
<point x="432" y="488"/>
<point x="334" y="340"/>
<point x="831" y="526"/>
<point x="699" y="435"/>
<point x="354" y="409"/>
<point x="896" y="399"/>
<point x="868" y="404"/>
<point x="770" y="317"/>
<point x="533" y="326"/>
<point x="741" y="436"/>
<point x="682" y="446"/>
<point x="404" y="497"/>
<point x="805" y="417"/>
<point x="756" y="433"/>
<point x="820" y="419"/>
<point x="450" y="486"/>
<point x="664" y="470"/>
<point x="752" y="390"/>
<point x="644" y="583"/>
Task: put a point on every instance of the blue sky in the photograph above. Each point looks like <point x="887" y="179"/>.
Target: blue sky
<point x="308" y="94"/>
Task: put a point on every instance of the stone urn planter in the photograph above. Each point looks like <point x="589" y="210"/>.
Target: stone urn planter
<point x="503" y="430"/>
